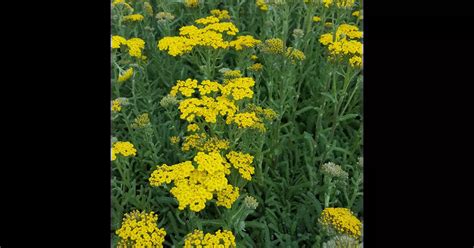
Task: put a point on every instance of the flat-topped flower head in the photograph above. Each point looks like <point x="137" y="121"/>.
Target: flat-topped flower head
<point x="139" y="229"/>
<point x="342" y="221"/>
<point x="123" y="148"/>
<point x="133" y="18"/>
<point x="197" y="238"/>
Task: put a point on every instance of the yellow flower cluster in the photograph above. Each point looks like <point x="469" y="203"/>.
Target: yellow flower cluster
<point x="243" y="163"/>
<point x="223" y="105"/>
<point x="115" y="2"/>
<point x="135" y="45"/>
<point x="273" y="46"/>
<point x="174" y="139"/>
<point x="342" y="220"/>
<point x="295" y="54"/>
<point x="239" y="88"/>
<point x="122" y="2"/>
<point x="126" y="149"/>
<point x="133" y="18"/>
<point x="126" y="75"/>
<point x="214" y="144"/>
<point x="232" y="73"/>
<point x="247" y="120"/>
<point x="265" y="113"/>
<point x="206" y="107"/>
<point x="117" y="41"/>
<point x="201" y="142"/>
<point x="244" y="41"/>
<point x="192" y="127"/>
<point x="204" y="180"/>
<point x="339" y="3"/>
<point x="223" y="239"/>
<point x="261" y="5"/>
<point x="277" y="46"/>
<point x="209" y="36"/>
<point x="116" y="106"/>
<point x="141" y="121"/>
<point x="193" y="141"/>
<point x="207" y="20"/>
<point x="139" y="229"/>
<point x="345" y="43"/>
<point x="191" y="3"/>
<point x="358" y="14"/>
<point x="221" y="14"/>
<point x="256" y="67"/>
<point x="227" y="196"/>
<point x="316" y="19"/>
<point x="186" y="88"/>
<point x="209" y="108"/>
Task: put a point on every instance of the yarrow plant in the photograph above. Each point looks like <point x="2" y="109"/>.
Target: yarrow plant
<point x="220" y="238"/>
<point x="344" y="44"/>
<point x="239" y="123"/>
<point x="342" y="221"/>
<point x="210" y="33"/>
<point x="139" y="229"/>
<point x="123" y="148"/>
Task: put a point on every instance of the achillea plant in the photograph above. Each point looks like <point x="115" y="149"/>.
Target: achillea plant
<point x="139" y="229"/>
<point x="342" y="221"/>
<point x="198" y="181"/>
<point x="224" y="239"/>
<point x="345" y="44"/>
<point x="123" y="148"/>
<point x="134" y="46"/>
<point x="210" y="33"/>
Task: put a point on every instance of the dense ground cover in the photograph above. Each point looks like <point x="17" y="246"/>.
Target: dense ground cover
<point x="237" y="123"/>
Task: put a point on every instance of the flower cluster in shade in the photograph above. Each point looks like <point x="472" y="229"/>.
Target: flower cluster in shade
<point x="123" y="148"/>
<point x="262" y="5"/>
<point x="203" y="143"/>
<point x="210" y="101"/>
<point x="148" y="8"/>
<point x="141" y="121"/>
<point x="139" y="229"/>
<point x="197" y="238"/>
<point x="191" y="3"/>
<point x="210" y="32"/>
<point x="333" y="170"/>
<point x="250" y="202"/>
<point x="256" y="67"/>
<point x="342" y="221"/>
<point x="135" y="46"/>
<point x="278" y="47"/>
<point x="345" y="44"/>
<point x="205" y="177"/>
